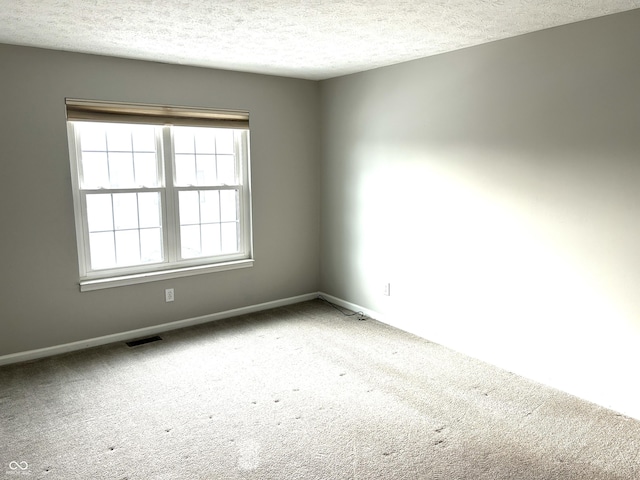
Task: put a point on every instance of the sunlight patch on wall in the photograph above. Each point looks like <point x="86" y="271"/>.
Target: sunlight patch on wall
<point x="479" y="269"/>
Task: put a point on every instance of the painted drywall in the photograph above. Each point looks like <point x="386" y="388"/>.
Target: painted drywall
<point x="40" y="301"/>
<point x="496" y="189"/>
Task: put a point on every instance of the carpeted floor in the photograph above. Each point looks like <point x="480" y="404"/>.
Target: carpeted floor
<point x="298" y="392"/>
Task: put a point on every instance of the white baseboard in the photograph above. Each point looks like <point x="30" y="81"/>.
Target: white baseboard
<point x="154" y="330"/>
<point x="353" y="307"/>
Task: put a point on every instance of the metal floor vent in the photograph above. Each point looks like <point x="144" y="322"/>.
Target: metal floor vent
<point x="142" y="341"/>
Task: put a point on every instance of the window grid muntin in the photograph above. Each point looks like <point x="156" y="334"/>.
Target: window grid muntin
<point x="110" y="153"/>
<point x="235" y="137"/>
<point x="220" y="223"/>
<point x="114" y="230"/>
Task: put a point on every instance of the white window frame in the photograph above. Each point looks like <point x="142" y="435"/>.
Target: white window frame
<point x="172" y="266"/>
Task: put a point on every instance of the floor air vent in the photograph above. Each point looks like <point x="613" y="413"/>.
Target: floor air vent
<point x="142" y="341"/>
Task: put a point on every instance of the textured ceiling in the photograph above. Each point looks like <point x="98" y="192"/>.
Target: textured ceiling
<point x="312" y="39"/>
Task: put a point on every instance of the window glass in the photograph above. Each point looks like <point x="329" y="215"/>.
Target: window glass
<point x="159" y="197"/>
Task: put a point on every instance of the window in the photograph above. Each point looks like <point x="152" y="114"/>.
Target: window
<point x="159" y="192"/>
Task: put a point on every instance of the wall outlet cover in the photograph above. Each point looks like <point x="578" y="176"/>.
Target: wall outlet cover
<point x="169" y="295"/>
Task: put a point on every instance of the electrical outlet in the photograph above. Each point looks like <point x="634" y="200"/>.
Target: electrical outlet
<point x="387" y="289"/>
<point x="169" y="295"/>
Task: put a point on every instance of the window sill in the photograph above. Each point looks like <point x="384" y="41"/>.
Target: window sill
<point x="121" y="281"/>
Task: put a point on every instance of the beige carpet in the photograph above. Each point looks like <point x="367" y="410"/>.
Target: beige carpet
<point x="299" y="392"/>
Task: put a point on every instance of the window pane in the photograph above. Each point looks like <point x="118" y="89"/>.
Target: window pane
<point x="93" y="136"/>
<point x="189" y="205"/>
<point x="127" y="247"/>
<point x="146" y="170"/>
<point x="144" y="138"/>
<point x="99" y="213"/>
<point x="125" y="211"/>
<point x="209" y="206"/>
<point x="211" y="239"/>
<point x="103" y="254"/>
<point x="228" y="205"/>
<point x="206" y="171"/>
<point x="185" y="169"/>
<point x="224" y="141"/>
<point x="119" y="138"/>
<point x="190" y="241"/>
<point x="108" y="152"/>
<point x="183" y="141"/>
<point x="226" y="169"/>
<point x="95" y="170"/>
<point x="149" y="209"/>
<point x="121" y="173"/>
<point x="229" y="237"/>
<point x="151" y="245"/>
<point x="205" y="140"/>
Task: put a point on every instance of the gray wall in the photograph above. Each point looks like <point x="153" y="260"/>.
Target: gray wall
<point x="40" y="302"/>
<point x="497" y="189"/>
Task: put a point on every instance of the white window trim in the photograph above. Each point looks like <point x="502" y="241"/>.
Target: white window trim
<point x="123" y="280"/>
<point x="169" y="268"/>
